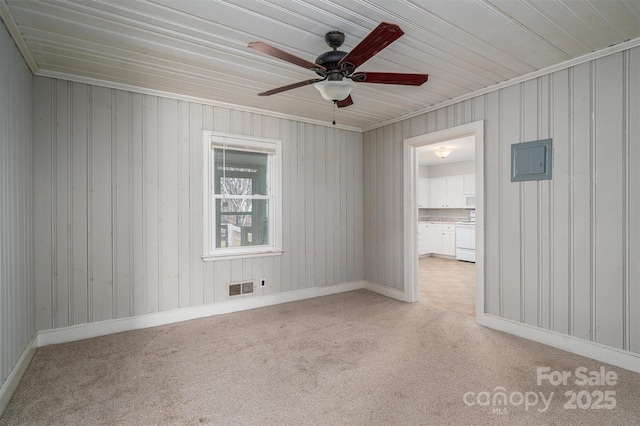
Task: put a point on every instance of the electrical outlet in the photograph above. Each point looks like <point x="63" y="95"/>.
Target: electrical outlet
<point x="263" y="282"/>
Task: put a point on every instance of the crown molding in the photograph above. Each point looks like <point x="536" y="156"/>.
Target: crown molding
<point x="12" y="27"/>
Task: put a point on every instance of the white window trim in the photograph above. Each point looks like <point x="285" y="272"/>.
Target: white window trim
<point x="249" y="143"/>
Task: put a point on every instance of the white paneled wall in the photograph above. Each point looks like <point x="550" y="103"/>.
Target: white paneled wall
<point x="119" y="204"/>
<point x="562" y="254"/>
<point x="16" y="245"/>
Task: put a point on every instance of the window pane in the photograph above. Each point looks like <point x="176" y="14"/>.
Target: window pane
<point x="236" y="186"/>
<point x="240" y="172"/>
<point x="242" y="222"/>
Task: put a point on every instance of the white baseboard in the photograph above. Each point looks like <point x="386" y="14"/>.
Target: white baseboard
<point x="618" y="357"/>
<point x="102" y="328"/>
<point x="385" y="291"/>
<point x="13" y="379"/>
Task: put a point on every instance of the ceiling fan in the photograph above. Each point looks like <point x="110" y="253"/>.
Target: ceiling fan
<point x="337" y="68"/>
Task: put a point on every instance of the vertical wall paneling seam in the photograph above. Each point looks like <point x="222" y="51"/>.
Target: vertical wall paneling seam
<point x="328" y="134"/>
<point x="4" y="356"/>
<point x="626" y="196"/>
<point x="551" y="208"/>
<point x="301" y="204"/>
<point x="320" y="281"/>
<point x="8" y="228"/>
<point x="54" y="198"/>
<point x="592" y="198"/>
<point x="32" y="299"/>
<point x="539" y="184"/>
<point x="571" y="209"/>
<point x="4" y="351"/>
<point x="205" y="200"/>
<point x="10" y="220"/>
<point x="500" y="218"/>
<point x="143" y="223"/>
<point x="343" y="204"/>
<point x="6" y="324"/>
<point x="159" y="135"/>
<point x="189" y="282"/>
<point x="131" y="201"/>
<point x="114" y="206"/>
<point x="4" y="183"/>
<point x="21" y="230"/>
<point x="89" y="206"/>
<point x="180" y="219"/>
<point x="539" y="236"/>
<point x="17" y="232"/>
<point x="30" y="235"/>
<point x="14" y="234"/>
<point x="70" y="274"/>
<point x="14" y="218"/>
<point x="521" y="215"/>
<point x="14" y="311"/>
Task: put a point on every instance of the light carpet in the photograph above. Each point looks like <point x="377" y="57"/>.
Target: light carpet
<point x="354" y="358"/>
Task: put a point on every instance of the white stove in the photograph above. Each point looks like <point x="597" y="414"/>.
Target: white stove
<point x="466" y="239"/>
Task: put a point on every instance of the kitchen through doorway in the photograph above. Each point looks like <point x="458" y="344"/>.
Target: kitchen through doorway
<point x="446" y="225"/>
<point x="446" y="216"/>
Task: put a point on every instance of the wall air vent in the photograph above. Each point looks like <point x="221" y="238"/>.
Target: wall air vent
<point x="238" y="289"/>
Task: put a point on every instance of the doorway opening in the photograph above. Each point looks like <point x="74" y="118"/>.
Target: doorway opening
<point x="446" y="184"/>
<point x="443" y="219"/>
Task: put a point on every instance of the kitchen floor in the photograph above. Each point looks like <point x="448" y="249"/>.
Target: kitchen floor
<point x="447" y="284"/>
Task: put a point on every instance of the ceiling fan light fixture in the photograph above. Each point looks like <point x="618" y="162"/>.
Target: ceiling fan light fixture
<point x="335" y="90"/>
<point x="442" y="152"/>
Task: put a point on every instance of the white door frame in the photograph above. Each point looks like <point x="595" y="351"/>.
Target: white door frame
<point x="410" y="207"/>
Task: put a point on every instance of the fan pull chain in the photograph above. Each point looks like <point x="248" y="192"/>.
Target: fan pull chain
<point x="335" y="105"/>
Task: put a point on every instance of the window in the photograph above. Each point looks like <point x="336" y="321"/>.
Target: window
<point x="242" y="203"/>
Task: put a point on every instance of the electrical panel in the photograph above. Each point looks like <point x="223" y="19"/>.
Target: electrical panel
<point x="531" y="160"/>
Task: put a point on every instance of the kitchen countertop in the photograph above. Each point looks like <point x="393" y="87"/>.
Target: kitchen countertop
<point x="443" y="219"/>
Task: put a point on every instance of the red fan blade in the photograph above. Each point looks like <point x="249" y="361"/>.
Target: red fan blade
<point x="285" y="56"/>
<point x="345" y="102"/>
<point x="290" y="86"/>
<point x="382" y="36"/>
<point x="390" y="78"/>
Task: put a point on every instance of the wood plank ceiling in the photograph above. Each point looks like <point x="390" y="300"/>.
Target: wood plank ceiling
<point x="198" y="48"/>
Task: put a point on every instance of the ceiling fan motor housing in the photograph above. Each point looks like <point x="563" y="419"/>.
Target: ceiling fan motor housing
<point x="329" y="60"/>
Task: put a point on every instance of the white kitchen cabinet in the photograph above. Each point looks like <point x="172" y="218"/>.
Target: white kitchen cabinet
<point x="448" y="240"/>
<point x="423" y="193"/>
<point x="454" y="192"/>
<point x="446" y="192"/>
<point x="423" y="247"/>
<point x="434" y="238"/>
<point x="437" y="193"/>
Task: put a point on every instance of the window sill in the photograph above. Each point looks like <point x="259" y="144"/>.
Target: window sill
<point x="229" y="256"/>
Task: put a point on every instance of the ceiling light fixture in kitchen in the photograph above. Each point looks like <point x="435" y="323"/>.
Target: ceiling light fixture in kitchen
<point x="442" y="152"/>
